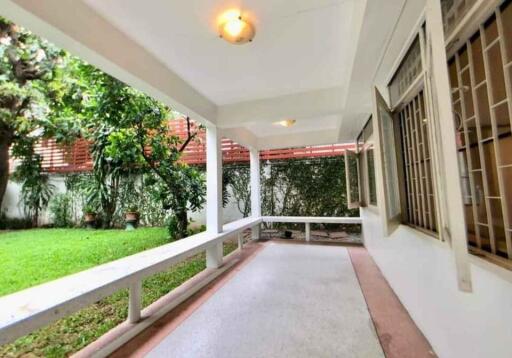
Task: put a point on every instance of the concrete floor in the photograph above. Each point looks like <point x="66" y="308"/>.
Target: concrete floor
<point x="289" y="301"/>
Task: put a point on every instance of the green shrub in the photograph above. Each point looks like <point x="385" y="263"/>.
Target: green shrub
<point x="7" y="223"/>
<point x="61" y="210"/>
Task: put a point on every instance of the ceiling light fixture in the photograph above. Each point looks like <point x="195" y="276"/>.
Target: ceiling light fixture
<point x="235" y="29"/>
<point x="286" y="123"/>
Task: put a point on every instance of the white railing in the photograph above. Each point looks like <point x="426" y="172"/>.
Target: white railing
<point x="308" y="220"/>
<point x="25" y="311"/>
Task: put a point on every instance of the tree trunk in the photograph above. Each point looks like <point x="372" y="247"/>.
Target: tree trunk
<point x="4" y="166"/>
<point x="182" y="218"/>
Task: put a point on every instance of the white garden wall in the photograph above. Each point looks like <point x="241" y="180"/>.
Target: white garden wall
<point x="421" y="271"/>
<point x="13" y="208"/>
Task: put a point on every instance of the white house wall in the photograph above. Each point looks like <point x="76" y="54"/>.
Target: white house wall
<point x="421" y="271"/>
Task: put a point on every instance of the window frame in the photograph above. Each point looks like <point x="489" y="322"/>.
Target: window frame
<point x="364" y="144"/>
<point x="420" y="83"/>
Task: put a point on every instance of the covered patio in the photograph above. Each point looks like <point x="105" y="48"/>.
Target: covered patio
<point x="433" y="274"/>
<point x="347" y="309"/>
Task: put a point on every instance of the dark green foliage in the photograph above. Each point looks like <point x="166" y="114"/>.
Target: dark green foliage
<point x="306" y="187"/>
<point x="236" y="183"/>
<point x="295" y="187"/>
<point x="31" y="83"/>
<point x="7" y="223"/>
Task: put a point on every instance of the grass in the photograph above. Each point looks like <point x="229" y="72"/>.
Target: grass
<point x="36" y="256"/>
<point x="31" y="257"/>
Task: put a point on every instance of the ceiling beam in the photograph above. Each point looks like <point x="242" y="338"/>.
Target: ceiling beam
<point x="306" y="105"/>
<point x="241" y="136"/>
<point x="295" y="140"/>
<point x="74" y="26"/>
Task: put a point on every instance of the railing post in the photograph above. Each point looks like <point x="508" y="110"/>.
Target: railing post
<point x="214" y="255"/>
<point x="241" y="240"/>
<point x="134" y="303"/>
<point x="308" y="232"/>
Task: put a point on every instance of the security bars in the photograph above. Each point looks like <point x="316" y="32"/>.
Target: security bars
<point x="420" y="203"/>
<point x="481" y="77"/>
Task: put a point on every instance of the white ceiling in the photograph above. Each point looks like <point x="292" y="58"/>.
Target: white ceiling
<point x="315" y="61"/>
<point x="299" y="46"/>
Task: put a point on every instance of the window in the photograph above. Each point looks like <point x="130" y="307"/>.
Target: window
<point x="408" y="71"/>
<point x="406" y="132"/>
<point x="352" y="179"/>
<point x="365" y="151"/>
<point x="481" y="81"/>
<point x="386" y="126"/>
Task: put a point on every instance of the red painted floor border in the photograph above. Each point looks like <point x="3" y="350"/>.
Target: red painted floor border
<point x="398" y="334"/>
<point x="150" y="337"/>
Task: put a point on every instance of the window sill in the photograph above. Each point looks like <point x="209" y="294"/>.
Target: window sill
<point x="491" y="264"/>
<point x="425" y="235"/>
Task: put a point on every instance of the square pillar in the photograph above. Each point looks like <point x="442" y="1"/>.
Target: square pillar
<point x="213" y="194"/>
<point x="255" y="189"/>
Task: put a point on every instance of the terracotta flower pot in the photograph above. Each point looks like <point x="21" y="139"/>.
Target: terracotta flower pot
<point x="90" y="217"/>
<point x="132" y="219"/>
<point x="131" y="216"/>
<point x="90" y="220"/>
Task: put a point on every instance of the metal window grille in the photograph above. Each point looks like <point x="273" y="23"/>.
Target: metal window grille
<point x="481" y="82"/>
<point x="417" y="165"/>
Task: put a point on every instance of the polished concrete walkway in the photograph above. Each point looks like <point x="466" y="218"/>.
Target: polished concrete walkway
<point x="288" y="301"/>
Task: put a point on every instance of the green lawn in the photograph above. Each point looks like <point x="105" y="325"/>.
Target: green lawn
<point x="31" y="257"/>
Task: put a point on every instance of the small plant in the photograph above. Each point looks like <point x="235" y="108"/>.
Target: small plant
<point x="89" y="209"/>
<point x="61" y="210"/>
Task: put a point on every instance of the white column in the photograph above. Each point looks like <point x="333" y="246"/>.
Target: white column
<point x="454" y="229"/>
<point x="255" y="189"/>
<point x="213" y="194"/>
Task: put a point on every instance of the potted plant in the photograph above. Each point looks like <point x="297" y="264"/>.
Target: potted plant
<point x="131" y="217"/>
<point x="89" y="216"/>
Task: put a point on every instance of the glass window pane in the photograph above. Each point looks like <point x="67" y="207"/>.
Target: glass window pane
<point x="372" y="189"/>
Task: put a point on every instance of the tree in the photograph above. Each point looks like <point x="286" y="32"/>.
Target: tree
<point x="30" y="71"/>
<point x="130" y="133"/>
